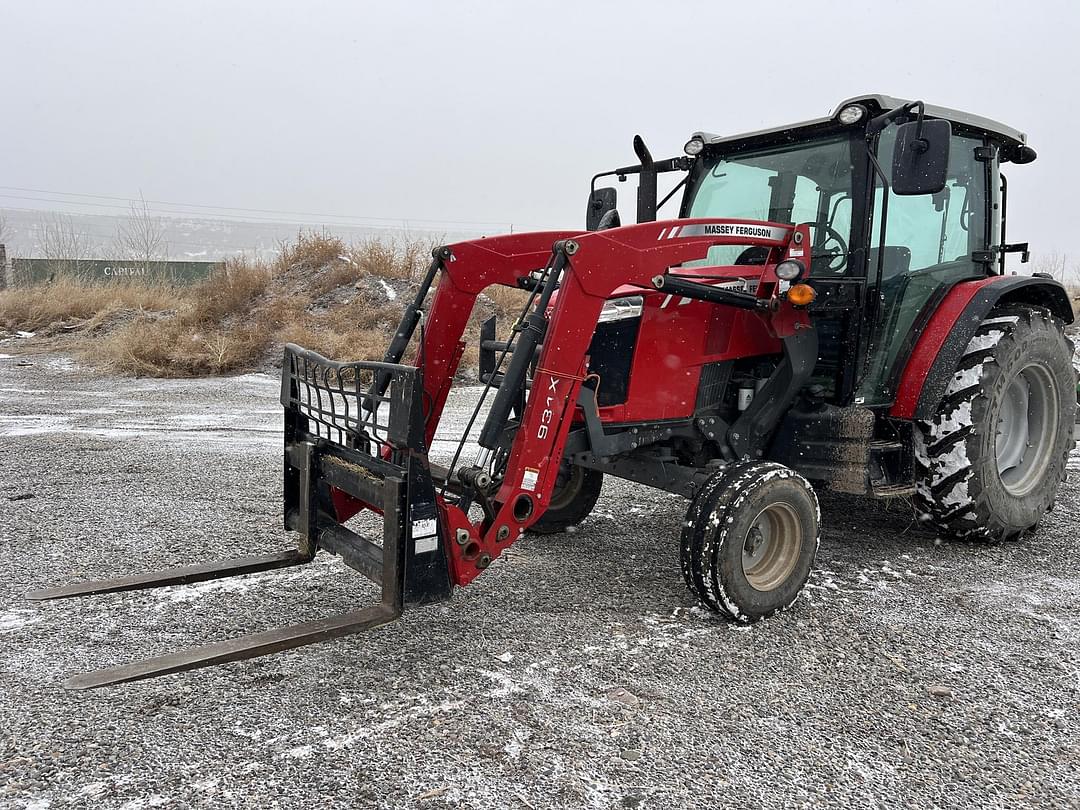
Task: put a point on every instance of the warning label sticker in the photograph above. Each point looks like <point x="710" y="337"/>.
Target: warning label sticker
<point x="529" y="479"/>
<point x="425" y="527"/>
<point x="425" y="534"/>
<point x="426" y="544"/>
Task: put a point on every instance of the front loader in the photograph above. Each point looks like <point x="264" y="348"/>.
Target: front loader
<point x="828" y="308"/>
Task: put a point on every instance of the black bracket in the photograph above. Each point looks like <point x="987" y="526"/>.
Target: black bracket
<point x="750" y="433"/>
<point x="988" y="256"/>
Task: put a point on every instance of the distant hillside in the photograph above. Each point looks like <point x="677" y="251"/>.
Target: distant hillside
<point x="197" y="239"/>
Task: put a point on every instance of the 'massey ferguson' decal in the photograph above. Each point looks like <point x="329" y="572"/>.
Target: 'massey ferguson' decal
<point x="726" y="229"/>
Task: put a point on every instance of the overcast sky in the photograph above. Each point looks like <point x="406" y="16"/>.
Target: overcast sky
<point x="491" y="113"/>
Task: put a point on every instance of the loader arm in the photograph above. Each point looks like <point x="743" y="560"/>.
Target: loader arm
<point x="587" y="268"/>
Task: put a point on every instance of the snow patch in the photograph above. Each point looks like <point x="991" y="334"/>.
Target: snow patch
<point x="155" y="800"/>
<point x="16" y="619"/>
<point x="61" y="364"/>
<point x="94" y="790"/>
<point x="984" y="342"/>
<point x="391" y="293"/>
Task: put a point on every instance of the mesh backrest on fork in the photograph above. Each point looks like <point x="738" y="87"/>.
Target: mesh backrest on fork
<point x="331" y="396"/>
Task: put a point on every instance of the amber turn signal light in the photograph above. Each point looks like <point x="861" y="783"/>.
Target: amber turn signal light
<point x="801" y="295"/>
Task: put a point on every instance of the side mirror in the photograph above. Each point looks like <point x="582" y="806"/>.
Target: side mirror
<point x="921" y="157"/>
<point x="601" y="201"/>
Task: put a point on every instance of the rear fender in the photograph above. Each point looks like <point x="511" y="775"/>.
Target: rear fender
<point x="938" y="350"/>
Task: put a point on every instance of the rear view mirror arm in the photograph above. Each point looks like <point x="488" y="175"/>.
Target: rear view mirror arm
<point x="671" y="193"/>
<point x="880" y="122"/>
<point x="675" y="164"/>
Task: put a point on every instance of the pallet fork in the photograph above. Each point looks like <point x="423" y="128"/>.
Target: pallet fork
<point x="321" y="398"/>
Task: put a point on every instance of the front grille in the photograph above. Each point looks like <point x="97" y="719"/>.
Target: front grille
<point x="611" y="355"/>
<point x="712" y="383"/>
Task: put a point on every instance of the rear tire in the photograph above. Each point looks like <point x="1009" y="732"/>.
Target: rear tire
<point x="991" y="460"/>
<point x="576" y="492"/>
<point x="749" y="540"/>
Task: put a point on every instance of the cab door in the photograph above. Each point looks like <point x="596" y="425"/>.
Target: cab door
<point x="931" y="244"/>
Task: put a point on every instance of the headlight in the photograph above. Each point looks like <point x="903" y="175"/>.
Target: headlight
<point x="789" y="270"/>
<point x="694" y="146"/>
<point x="619" y="309"/>
<point x="851" y="114"/>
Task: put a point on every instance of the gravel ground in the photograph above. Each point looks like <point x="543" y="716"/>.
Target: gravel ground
<point x="576" y="672"/>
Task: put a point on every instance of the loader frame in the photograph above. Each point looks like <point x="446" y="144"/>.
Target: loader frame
<point x="587" y="268"/>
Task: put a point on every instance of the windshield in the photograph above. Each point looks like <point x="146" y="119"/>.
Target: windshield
<point x="807" y="182"/>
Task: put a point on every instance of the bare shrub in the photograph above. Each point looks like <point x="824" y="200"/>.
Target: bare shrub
<point x="63" y="244"/>
<point x="142" y="235"/>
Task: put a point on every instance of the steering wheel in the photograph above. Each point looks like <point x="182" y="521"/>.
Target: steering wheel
<point x="836" y="257"/>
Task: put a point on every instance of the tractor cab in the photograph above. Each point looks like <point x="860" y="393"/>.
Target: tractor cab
<point x="903" y="201"/>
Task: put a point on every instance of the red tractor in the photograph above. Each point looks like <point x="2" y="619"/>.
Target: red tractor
<point x="828" y="307"/>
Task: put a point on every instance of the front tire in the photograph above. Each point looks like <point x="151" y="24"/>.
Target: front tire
<point x="750" y="538"/>
<point x="991" y="461"/>
<point x="576" y="492"/>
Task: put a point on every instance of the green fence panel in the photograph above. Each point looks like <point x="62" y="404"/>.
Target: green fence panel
<point x="27" y="272"/>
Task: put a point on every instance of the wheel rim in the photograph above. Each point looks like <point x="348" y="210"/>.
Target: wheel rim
<point x="1026" y="429"/>
<point x="772" y="546"/>
<point x="567" y="483"/>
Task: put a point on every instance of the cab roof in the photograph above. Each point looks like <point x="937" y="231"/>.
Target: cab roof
<point x="877" y="103"/>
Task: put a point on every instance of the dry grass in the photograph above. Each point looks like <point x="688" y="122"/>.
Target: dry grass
<point x="33" y="308"/>
<point x="405" y="260"/>
<point x="316" y="294"/>
<point x="227" y="294"/>
<point x="169" y="348"/>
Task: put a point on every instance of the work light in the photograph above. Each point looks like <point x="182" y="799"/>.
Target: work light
<point x="789" y="270"/>
<point x="851" y="113"/>
<point x="694" y="146"/>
